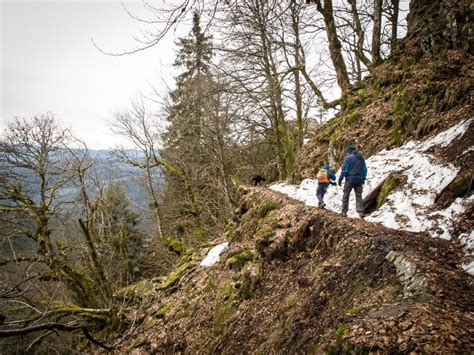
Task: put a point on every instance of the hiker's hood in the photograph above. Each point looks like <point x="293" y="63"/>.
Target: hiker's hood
<point x="325" y="166"/>
<point x="350" y="149"/>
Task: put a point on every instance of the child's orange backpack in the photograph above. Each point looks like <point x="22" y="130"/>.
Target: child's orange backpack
<point x="323" y="176"/>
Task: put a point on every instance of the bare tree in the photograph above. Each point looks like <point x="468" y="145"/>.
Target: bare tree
<point x="34" y="156"/>
<point x="137" y="125"/>
<point x="32" y="151"/>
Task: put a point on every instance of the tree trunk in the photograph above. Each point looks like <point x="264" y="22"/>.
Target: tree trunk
<point x="394" y="23"/>
<point x="360" y="38"/>
<point x="377" y="31"/>
<point x="274" y="95"/>
<point x="296" y="74"/>
<point x="335" y="46"/>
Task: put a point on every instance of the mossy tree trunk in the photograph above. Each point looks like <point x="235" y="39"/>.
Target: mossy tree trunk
<point x="283" y="140"/>
<point x="335" y="46"/>
<point x="377" y="31"/>
<point x="395" y="11"/>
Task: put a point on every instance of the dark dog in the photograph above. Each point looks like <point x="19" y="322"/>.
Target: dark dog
<point x="257" y="180"/>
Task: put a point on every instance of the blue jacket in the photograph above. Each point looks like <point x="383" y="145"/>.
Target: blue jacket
<point x="331" y="176"/>
<point x="354" y="168"/>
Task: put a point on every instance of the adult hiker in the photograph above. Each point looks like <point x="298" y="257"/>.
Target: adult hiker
<point x="354" y="170"/>
<point x="325" y="177"/>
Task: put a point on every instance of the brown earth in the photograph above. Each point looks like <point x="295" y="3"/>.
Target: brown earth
<point x="404" y="99"/>
<point x="296" y="279"/>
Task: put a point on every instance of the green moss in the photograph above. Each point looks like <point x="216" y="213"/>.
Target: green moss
<point x="353" y="310"/>
<point x="174" y="245"/>
<point x="247" y="289"/>
<point x="224" y="308"/>
<point x="349" y="103"/>
<point x="390" y="79"/>
<point x="225" y="291"/>
<point x="335" y="136"/>
<point x="183" y="312"/>
<point x="150" y="323"/>
<point x="359" y="85"/>
<point x="341" y="331"/>
<point x="362" y="94"/>
<point x="249" y="285"/>
<point x="461" y="186"/>
<point x="248" y="216"/>
<point x="187" y="255"/>
<point x="200" y="233"/>
<point x="401" y="115"/>
<point x="139" y="343"/>
<point x="210" y="283"/>
<point x="267" y="206"/>
<point x="266" y="226"/>
<point x="230" y="228"/>
<point x="160" y="313"/>
<point x="238" y="261"/>
<point x="388" y="186"/>
<point x="139" y="290"/>
<point x="236" y="181"/>
<point x="176" y="274"/>
<point x="265" y="230"/>
<point x="353" y="117"/>
<point x="260" y="210"/>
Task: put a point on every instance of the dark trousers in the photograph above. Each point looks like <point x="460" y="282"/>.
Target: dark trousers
<point x="320" y="192"/>
<point x="345" y="197"/>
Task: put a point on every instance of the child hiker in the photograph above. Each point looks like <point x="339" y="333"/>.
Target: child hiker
<point x="325" y="177"/>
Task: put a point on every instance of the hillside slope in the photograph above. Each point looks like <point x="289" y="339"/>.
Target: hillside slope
<point x="297" y="279"/>
<point x="406" y="98"/>
<point x="422" y="186"/>
<point x="307" y="280"/>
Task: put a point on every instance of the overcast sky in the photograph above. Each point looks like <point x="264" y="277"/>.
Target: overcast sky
<point x="48" y="63"/>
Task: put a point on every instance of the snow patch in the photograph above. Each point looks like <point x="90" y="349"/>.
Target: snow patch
<point x="468" y="241"/>
<point x="470" y="149"/>
<point x="411" y="207"/>
<point x="213" y="256"/>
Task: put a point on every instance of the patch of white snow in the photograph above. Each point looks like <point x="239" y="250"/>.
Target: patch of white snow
<point x="213" y="256"/>
<point x="444" y="138"/>
<point x="469" y="268"/>
<point x="411" y="207"/>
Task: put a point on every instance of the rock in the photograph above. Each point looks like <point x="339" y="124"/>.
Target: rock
<point x="413" y="283"/>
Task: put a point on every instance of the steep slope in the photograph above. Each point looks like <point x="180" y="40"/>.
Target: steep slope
<point x="295" y="278"/>
<point x="422" y="186"/>
<point x="406" y="98"/>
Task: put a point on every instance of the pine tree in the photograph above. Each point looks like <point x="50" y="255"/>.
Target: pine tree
<point x="192" y="94"/>
<point x="121" y="238"/>
<point x="196" y="143"/>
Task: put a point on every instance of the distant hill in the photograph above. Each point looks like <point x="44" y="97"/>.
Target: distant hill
<point x="109" y="168"/>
